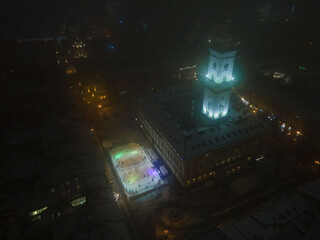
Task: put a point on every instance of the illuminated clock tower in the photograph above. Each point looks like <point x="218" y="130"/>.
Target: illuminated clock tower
<point x="219" y="80"/>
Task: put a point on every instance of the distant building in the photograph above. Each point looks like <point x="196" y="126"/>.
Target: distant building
<point x="188" y="73"/>
<point x="293" y="105"/>
<point x="79" y="49"/>
<point x="292" y="216"/>
<point x="275" y="11"/>
<point x="199" y="128"/>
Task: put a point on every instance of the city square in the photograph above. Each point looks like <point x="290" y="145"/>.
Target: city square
<point x="134" y="169"/>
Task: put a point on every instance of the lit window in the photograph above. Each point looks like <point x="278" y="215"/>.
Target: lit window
<point x="78" y="201"/>
<point x="35" y="218"/>
<point x="36" y="212"/>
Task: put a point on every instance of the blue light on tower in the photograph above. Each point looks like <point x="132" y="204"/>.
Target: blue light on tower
<point x="218" y="83"/>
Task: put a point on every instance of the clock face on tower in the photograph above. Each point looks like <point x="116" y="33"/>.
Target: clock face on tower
<point x="214" y="65"/>
<point x="226" y="66"/>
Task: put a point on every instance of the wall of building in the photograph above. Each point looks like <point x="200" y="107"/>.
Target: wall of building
<point x="215" y="105"/>
<point x="166" y="151"/>
<point x="220" y="67"/>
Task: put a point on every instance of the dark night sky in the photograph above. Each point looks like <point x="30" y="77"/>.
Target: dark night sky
<point x="39" y="15"/>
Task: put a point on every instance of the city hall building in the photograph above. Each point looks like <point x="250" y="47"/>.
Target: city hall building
<point x="200" y="129"/>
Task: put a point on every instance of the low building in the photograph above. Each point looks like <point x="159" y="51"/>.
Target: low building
<point x="188" y="73"/>
<point x="293" y="216"/>
<point x="292" y="104"/>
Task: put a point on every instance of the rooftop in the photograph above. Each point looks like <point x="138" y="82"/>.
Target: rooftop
<point x="292" y="216"/>
<point x="224" y="45"/>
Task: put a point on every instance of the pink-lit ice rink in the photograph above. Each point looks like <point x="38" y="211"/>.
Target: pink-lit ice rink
<point x="135" y="169"/>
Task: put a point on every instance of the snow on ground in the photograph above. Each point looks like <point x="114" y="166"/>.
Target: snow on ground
<point x="135" y="169"/>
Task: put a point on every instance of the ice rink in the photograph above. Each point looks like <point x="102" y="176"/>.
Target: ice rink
<point x="134" y="168"/>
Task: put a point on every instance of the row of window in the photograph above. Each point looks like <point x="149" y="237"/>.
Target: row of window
<point x="241" y="148"/>
<point x="202" y="166"/>
<point x="224" y="155"/>
<point x="36" y="212"/>
<point x="78" y="201"/>
<point x="212" y="174"/>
